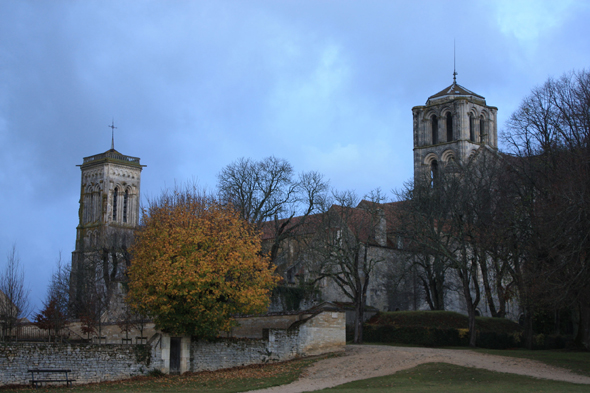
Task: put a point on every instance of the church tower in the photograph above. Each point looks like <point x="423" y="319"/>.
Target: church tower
<point x="108" y="216"/>
<point x="453" y="124"/>
<point x="109" y="197"/>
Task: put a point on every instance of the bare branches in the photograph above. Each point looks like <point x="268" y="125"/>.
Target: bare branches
<point x="14" y="295"/>
<point x="341" y="247"/>
<point x="269" y="195"/>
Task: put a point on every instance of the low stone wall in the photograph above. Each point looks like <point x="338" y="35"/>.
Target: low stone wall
<point x="311" y="334"/>
<point x="88" y="362"/>
<point x="314" y="335"/>
<point x="280" y="345"/>
<point x="322" y="333"/>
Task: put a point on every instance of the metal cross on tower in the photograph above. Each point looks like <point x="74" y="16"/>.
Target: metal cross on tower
<point x="112" y="127"/>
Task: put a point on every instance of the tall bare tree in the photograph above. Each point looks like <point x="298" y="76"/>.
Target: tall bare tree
<point x="14" y="295"/>
<point x="343" y="248"/>
<point x="431" y="267"/>
<point x="269" y="193"/>
<point x="550" y="134"/>
<point x="56" y="306"/>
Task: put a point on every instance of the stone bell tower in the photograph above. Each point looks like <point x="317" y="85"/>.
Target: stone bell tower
<point x="108" y="216"/>
<point x="453" y="124"/>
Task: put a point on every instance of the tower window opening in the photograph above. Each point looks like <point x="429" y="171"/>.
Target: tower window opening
<point x="471" y="128"/>
<point x="115" y="197"/>
<point x="434" y="122"/>
<point x="449" y="127"/>
<point x="434" y="173"/>
<point x="125" y="203"/>
<point x="87" y="207"/>
<point x="97" y="205"/>
<point x="482" y="130"/>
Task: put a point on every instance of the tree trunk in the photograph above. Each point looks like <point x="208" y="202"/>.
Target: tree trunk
<point x="471" y="316"/>
<point x="583" y="334"/>
<point x="488" y="289"/>
<point x="528" y="327"/>
<point x="358" y="320"/>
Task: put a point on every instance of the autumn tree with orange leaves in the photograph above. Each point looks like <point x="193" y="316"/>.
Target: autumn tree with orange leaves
<point x="196" y="264"/>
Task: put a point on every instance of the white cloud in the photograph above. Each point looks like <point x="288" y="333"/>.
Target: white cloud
<point x="527" y="20"/>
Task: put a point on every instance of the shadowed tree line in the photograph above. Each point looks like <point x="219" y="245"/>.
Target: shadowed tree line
<point x="515" y="225"/>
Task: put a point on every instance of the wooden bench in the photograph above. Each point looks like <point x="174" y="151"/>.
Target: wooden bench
<point x="41" y="378"/>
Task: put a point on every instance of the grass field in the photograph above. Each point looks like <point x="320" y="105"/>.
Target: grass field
<point x="575" y="361"/>
<point x="443" y="378"/>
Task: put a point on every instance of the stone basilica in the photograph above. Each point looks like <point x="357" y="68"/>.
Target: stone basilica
<point x="450" y="128"/>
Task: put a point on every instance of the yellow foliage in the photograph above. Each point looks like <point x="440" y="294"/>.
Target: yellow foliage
<point x="195" y="264"/>
<point x="463" y="333"/>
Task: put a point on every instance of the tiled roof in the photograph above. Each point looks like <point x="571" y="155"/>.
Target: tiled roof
<point x="306" y="225"/>
<point x="455" y="90"/>
<point x="357" y="219"/>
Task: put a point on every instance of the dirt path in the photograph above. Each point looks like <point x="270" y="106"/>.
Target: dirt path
<point x="368" y="361"/>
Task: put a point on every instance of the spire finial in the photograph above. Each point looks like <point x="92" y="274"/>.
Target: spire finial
<point x="454" y="68"/>
<point x="112" y="127"/>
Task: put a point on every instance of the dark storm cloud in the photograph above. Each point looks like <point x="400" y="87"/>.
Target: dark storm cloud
<point x="192" y="86"/>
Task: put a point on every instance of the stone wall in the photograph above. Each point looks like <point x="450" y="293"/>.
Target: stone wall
<point x="311" y="334"/>
<point x="88" y="362"/>
<point x="314" y="335"/>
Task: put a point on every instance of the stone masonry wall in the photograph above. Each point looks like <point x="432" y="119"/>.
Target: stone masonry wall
<point x="313" y="334"/>
<point x="281" y="345"/>
<point x="88" y="362"/>
<point x="321" y="333"/>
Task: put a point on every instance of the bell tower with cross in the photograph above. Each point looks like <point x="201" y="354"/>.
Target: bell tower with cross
<point x="108" y="213"/>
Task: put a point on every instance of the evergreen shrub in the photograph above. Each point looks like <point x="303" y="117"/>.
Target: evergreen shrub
<point x="440" y="328"/>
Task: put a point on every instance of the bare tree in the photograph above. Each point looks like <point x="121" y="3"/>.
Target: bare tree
<point x="56" y="307"/>
<point x="14" y="295"/>
<point x="343" y="248"/>
<point x="268" y="193"/>
<point x="549" y="134"/>
<point x="431" y="267"/>
<point x="445" y="220"/>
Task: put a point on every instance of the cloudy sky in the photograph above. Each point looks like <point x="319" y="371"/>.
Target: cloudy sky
<point x="194" y="85"/>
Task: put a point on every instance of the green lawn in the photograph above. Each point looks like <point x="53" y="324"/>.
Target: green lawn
<point x="442" y="378"/>
<point x="576" y="361"/>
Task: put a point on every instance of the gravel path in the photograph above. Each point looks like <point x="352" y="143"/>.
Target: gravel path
<point x="368" y="361"/>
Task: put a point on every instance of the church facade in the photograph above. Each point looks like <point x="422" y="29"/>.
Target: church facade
<point x="453" y="127"/>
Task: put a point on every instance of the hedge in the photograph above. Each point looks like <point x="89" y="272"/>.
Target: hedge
<point x="444" y="328"/>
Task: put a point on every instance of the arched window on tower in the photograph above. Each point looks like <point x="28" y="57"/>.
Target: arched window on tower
<point x="449" y="127"/>
<point x="434" y="123"/>
<point x="87" y="207"/>
<point x="434" y="173"/>
<point x="97" y="204"/>
<point x="115" y="197"/>
<point x="482" y="130"/>
<point x="471" y="128"/>
<point x="125" y="204"/>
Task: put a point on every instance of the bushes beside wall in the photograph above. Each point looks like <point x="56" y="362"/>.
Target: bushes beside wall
<point x="445" y="328"/>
